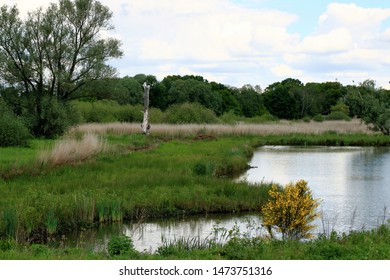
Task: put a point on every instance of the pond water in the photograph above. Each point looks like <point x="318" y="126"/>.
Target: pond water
<point x="148" y="236"/>
<point x="353" y="184"/>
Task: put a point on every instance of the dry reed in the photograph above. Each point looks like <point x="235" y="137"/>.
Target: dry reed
<point x="280" y="128"/>
<point x="69" y="151"/>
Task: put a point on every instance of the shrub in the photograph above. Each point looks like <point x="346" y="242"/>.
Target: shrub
<point x="318" y="118"/>
<point x="129" y="113"/>
<point x="189" y="113"/>
<point x="120" y="244"/>
<point x="291" y="210"/>
<point x="47" y="117"/>
<point x="155" y="115"/>
<point x="338" y="116"/>
<point x="102" y="111"/>
<point x="202" y="168"/>
<point x="12" y="130"/>
<point x="6" y="245"/>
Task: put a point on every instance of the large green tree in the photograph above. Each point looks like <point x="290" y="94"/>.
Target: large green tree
<point x="281" y="99"/>
<point x="58" y="50"/>
<point x="52" y="53"/>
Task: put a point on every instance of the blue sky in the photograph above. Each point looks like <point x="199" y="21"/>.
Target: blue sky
<point x="308" y="11"/>
<point x="258" y="42"/>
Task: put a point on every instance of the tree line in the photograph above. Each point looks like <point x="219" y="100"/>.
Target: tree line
<point x="58" y="55"/>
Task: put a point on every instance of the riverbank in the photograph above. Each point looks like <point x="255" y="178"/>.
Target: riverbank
<point x="133" y="177"/>
<point x="363" y="245"/>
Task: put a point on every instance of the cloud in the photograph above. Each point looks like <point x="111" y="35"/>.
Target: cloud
<point x="285" y="71"/>
<point x="26" y="6"/>
<point x="337" y="40"/>
<point x="349" y="40"/>
<point x="239" y="44"/>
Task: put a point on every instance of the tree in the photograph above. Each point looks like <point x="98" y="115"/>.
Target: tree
<point x="251" y="102"/>
<point x="55" y="52"/>
<point x="370" y="104"/>
<point x="58" y="50"/>
<point x="194" y="91"/>
<point x="376" y="112"/>
<point x="279" y="99"/>
<point x="291" y="210"/>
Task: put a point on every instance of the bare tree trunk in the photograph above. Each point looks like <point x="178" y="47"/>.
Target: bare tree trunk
<point x="145" y="124"/>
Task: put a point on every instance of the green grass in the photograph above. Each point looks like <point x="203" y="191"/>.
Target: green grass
<point x="158" y="181"/>
<point x="326" y="139"/>
<point x="364" y="245"/>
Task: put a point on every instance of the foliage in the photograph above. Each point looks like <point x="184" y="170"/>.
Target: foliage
<point x="291" y="210"/>
<point x="124" y="90"/>
<point x="280" y="101"/>
<point x="57" y="50"/>
<point x="376" y="113"/>
<point x="48" y="117"/>
<point x="12" y="130"/>
<point x="340" y="107"/>
<point x="318" y="118"/>
<point x="119" y="245"/>
<point x="337" y="116"/>
<point x="189" y="113"/>
<point x="340" y="111"/>
<point x="50" y="55"/>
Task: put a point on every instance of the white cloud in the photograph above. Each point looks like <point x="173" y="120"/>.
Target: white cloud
<point x="352" y="17"/>
<point x="336" y="40"/>
<point x="26" y="6"/>
<point x="284" y="71"/>
<point x="237" y="45"/>
<point x="350" y="43"/>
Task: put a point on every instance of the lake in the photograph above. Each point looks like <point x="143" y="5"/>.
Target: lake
<point x="353" y="183"/>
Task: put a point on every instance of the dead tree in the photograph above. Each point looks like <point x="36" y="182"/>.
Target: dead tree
<point x="145" y="124"/>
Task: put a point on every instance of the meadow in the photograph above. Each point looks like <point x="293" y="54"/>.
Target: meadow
<point x="111" y="173"/>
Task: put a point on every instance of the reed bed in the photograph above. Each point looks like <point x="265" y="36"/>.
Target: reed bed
<point x="70" y="151"/>
<point x="280" y="128"/>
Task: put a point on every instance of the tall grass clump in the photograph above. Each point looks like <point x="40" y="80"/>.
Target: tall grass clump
<point x="10" y="223"/>
<point x="70" y="151"/>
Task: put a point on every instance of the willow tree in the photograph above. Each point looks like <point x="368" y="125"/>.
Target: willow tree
<point x="52" y="53"/>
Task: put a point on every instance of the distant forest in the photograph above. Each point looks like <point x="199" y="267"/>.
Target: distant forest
<point x="289" y="99"/>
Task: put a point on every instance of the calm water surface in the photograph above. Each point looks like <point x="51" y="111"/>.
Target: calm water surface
<point x="353" y="183"/>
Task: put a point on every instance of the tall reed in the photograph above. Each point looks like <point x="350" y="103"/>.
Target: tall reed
<point x="70" y="151"/>
<point x="279" y="128"/>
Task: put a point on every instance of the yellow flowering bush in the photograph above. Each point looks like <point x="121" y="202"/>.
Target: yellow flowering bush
<point x="291" y="210"/>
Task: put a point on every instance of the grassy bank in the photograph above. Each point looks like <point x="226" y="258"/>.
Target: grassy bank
<point x="137" y="178"/>
<point x="364" y="245"/>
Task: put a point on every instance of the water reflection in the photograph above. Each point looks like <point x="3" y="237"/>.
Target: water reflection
<point x="352" y="182"/>
<point x="149" y="236"/>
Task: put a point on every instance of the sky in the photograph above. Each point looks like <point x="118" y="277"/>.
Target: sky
<point x="258" y="42"/>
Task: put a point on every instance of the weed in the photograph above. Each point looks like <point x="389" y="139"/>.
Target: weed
<point x="51" y="222"/>
<point x="119" y="245"/>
